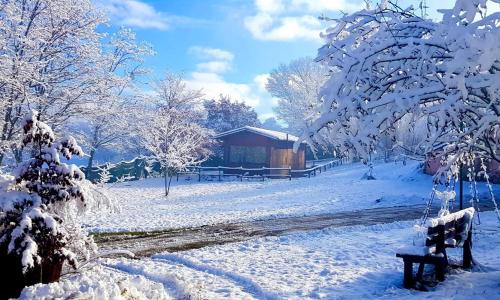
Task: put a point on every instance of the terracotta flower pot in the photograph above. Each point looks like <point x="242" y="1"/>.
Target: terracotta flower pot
<point x="13" y="280"/>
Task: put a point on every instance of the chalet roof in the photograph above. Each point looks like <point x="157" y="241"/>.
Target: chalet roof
<point x="276" y="135"/>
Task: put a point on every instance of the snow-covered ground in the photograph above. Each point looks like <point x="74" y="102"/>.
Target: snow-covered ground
<point x="343" y="263"/>
<point x="335" y="263"/>
<point x="143" y="206"/>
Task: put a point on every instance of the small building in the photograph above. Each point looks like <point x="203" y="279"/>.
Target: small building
<point x="433" y="163"/>
<point x="251" y="147"/>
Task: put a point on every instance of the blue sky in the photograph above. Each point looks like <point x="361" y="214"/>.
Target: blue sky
<point x="230" y="46"/>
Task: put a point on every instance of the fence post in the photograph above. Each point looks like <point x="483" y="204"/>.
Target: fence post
<point x="199" y="174"/>
<point x="177" y="175"/>
<point x="290" y="173"/>
<point x="219" y="169"/>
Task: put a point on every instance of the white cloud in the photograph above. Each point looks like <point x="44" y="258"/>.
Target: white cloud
<point x="288" y="20"/>
<point x="261" y="82"/>
<point x="320" y="6"/>
<point x="269" y="6"/>
<point x="208" y="76"/>
<point x="267" y="27"/>
<point x="207" y="53"/>
<point x="214" y="60"/>
<point x="214" y="85"/>
<point x="265" y="116"/>
<point x="135" y="13"/>
<point x="214" y="67"/>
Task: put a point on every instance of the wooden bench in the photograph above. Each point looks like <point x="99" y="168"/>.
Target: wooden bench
<point x="450" y="231"/>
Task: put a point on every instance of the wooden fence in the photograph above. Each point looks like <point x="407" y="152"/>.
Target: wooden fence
<point x="241" y="173"/>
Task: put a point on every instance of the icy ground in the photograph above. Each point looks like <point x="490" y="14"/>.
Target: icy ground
<point x="344" y="263"/>
<point x="191" y="203"/>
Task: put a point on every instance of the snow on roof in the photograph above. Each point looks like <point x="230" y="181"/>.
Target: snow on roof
<point x="277" y="135"/>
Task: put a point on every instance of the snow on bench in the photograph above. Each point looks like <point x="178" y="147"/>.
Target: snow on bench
<point x="450" y="231"/>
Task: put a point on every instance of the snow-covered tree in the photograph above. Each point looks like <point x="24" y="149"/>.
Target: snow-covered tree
<point x="224" y="114"/>
<point x="171" y="93"/>
<point x="170" y="129"/>
<point x="39" y="206"/>
<point x="388" y="63"/>
<point x="272" y="124"/>
<point x="106" y="119"/>
<point x="297" y="87"/>
<point x="50" y="55"/>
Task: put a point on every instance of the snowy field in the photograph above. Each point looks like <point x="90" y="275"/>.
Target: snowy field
<point x="344" y="263"/>
<point x="143" y="206"/>
<point x="335" y="263"/>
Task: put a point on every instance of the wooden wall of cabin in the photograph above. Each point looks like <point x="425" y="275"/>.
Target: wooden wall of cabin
<point x="247" y="139"/>
<point x="285" y="158"/>
<point x="299" y="158"/>
<point x="279" y="154"/>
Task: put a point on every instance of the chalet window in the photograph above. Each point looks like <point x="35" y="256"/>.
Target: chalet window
<point x="242" y="154"/>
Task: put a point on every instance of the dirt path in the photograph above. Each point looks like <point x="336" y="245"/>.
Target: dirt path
<point x="148" y="243"/>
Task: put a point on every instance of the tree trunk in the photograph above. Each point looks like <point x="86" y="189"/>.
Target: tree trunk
<point x="90" y="162"/>
<point x="18" y="154"/>
<point x="168" y="181"/>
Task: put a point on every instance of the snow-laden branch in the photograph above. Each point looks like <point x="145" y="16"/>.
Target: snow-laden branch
<point x="386" y="64"/>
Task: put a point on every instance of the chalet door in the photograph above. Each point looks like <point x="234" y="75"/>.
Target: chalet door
<point x="281" y="158"/>
<point x="298" y="160"/>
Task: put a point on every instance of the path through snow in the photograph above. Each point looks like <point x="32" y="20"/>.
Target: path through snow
<point x="353" y="262"/>
<point x="148" y="243"/>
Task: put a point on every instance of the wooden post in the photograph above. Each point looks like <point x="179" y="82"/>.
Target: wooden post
<point x="461" y="174"/>
<point x="467" y="262"/>
<point x="440" y="268"/>
<point x="440" y="248"/>
<point x="408" y="274"/>
<point x="219" y="169"/>
<point x="420" y="272"/>
<point x="199" y="174"/>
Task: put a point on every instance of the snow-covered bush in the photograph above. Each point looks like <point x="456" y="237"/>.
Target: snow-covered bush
<point x="39" y="206"/>
<point x="388" y="63"/>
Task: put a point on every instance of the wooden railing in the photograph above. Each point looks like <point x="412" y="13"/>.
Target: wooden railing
<point x="318" y="166"/>
<point x="259" y="173"/>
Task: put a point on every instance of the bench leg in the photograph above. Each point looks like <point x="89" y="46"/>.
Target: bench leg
<point x="440" y="268"/>
<point x="420" y="272"/>
<point x="467" y="261"/>
<point x="408" y="274"/>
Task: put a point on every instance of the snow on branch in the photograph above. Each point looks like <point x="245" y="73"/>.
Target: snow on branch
<point x="387" y="63"/>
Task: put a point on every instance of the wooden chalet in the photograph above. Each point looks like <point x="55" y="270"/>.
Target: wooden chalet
<point x="251" y="147"/>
